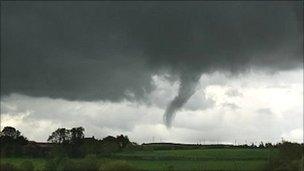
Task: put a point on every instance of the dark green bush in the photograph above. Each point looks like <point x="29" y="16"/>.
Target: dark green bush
<point x="117" y="166"/>
<point x="50" y="165"/>
<point x="289" y="166"/>
<point x="170" y="168"/>
<point x="66" y="164"/>
<point x="89" y="163"/>
<point x="288" y="159"/>
<point x="58" y="163"/>
<point x="7" y="167"/>
<point x="26" y="166"/>
<point x="290" y="151"/>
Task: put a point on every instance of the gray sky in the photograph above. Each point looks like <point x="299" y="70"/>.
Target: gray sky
<point x="116" y="67"/>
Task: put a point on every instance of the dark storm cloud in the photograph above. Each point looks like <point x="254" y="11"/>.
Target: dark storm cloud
<point x="109" y="52"/>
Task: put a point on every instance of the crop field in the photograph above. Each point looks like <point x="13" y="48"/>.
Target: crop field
<point x="194" y="159"/>
<point x="200" y="159"/>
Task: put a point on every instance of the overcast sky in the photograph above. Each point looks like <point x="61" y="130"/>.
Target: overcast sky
<point x="156" y="71"/>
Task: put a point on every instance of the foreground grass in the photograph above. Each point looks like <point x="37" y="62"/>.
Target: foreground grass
<point x="165" y="165"/>
<point x="196" y="159"/>
<point x="38" y="163"/>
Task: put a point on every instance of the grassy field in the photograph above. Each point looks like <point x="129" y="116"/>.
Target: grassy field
<point x="195" y="159"/>
<point x="202" y="154"/>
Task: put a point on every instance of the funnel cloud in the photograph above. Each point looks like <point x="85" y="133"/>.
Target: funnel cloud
<point x="187" y="87"/>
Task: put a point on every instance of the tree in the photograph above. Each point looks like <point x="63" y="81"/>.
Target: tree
<point x="122" y="141"/>
<point x="11" y="135"/>
<point x="10" y="132"/>
<point x="61" y="135"/>
<point x="77" y="134"/>
<point x="11" y="142"/>
<point x="76" y="141"/>
<point x="109" y="139"/>
<point x="261" y="145"/>
<point x="268" y="145"/>
<point x="70" y="141"/>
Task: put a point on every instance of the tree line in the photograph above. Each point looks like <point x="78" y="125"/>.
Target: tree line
<point x="61" y="142"/>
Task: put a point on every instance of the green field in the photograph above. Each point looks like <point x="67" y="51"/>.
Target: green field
<point x="194" y="159"/>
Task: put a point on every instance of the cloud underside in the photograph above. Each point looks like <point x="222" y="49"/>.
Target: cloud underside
<point x="269" y="108"/>
<point x="112" y="52"/>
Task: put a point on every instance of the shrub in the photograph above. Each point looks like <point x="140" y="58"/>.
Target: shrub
<point x="170" y="168"/>
<point x="290" y="151"/>
<point x="89" y="163"/>
<point x="8" y="167"/>
<point x="66" y="165"/>
<point x="27" y="166"/>
<point x="288" y="159"/>
<point x="58" y="163"/>
<point x="50" y="165"/>
<point x="117" y="166"/>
